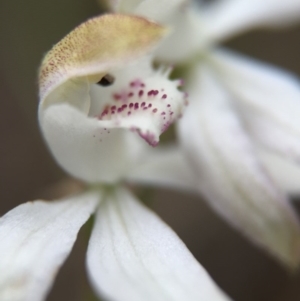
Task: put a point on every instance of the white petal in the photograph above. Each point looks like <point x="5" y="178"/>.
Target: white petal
<point x="87" y="150"/>
<point x="267" y="98"/>
<point x="285" y="173"/>
<point x="134" y="256"/>
<point x="229" y="17"/>
<point x="230" y="174"/>
<point x="36" y="238"/>
<point x="164" y="166"/>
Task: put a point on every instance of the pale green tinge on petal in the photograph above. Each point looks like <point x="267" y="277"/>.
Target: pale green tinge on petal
<point x="157" y="10"/>
<point x="122" y="6"/>
<point x="268" y="100"/>
<point x="164" y="166"/>
<point x="36" y="238"/>
<point x="226" y="18"/>
<point x="133" y="256"/>
<point x="230" y="173"/>
<point x="162" y="11"/>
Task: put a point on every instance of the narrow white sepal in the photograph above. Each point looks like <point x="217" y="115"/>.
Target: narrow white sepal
<point x="134" y="256"/>
<point x="267" y="98"/>
<point x="230" y="173"/>
<point x="35" y="239"/>
<point x="227" y="18"/>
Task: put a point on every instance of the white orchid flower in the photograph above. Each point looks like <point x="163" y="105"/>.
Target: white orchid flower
<point x="96" y="132"/>
<point x="242" y="126"/>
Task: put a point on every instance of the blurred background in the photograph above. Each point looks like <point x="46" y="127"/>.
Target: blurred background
<point x="27" y="30"/>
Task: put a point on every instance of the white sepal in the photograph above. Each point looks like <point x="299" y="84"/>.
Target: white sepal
<point x="230" y="173"/>
<point x="267" y="98"/>
<point x="132" y="250"/>
<point x="226" y="18"/>
<point x="36" y="238"/>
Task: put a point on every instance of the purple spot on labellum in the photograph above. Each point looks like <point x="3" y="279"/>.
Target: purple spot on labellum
<point x="116" y="96"/>
<point x="181" y="82"/>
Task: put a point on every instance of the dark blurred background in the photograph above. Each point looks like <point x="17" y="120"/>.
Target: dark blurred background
<point x="28" y="29"/>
